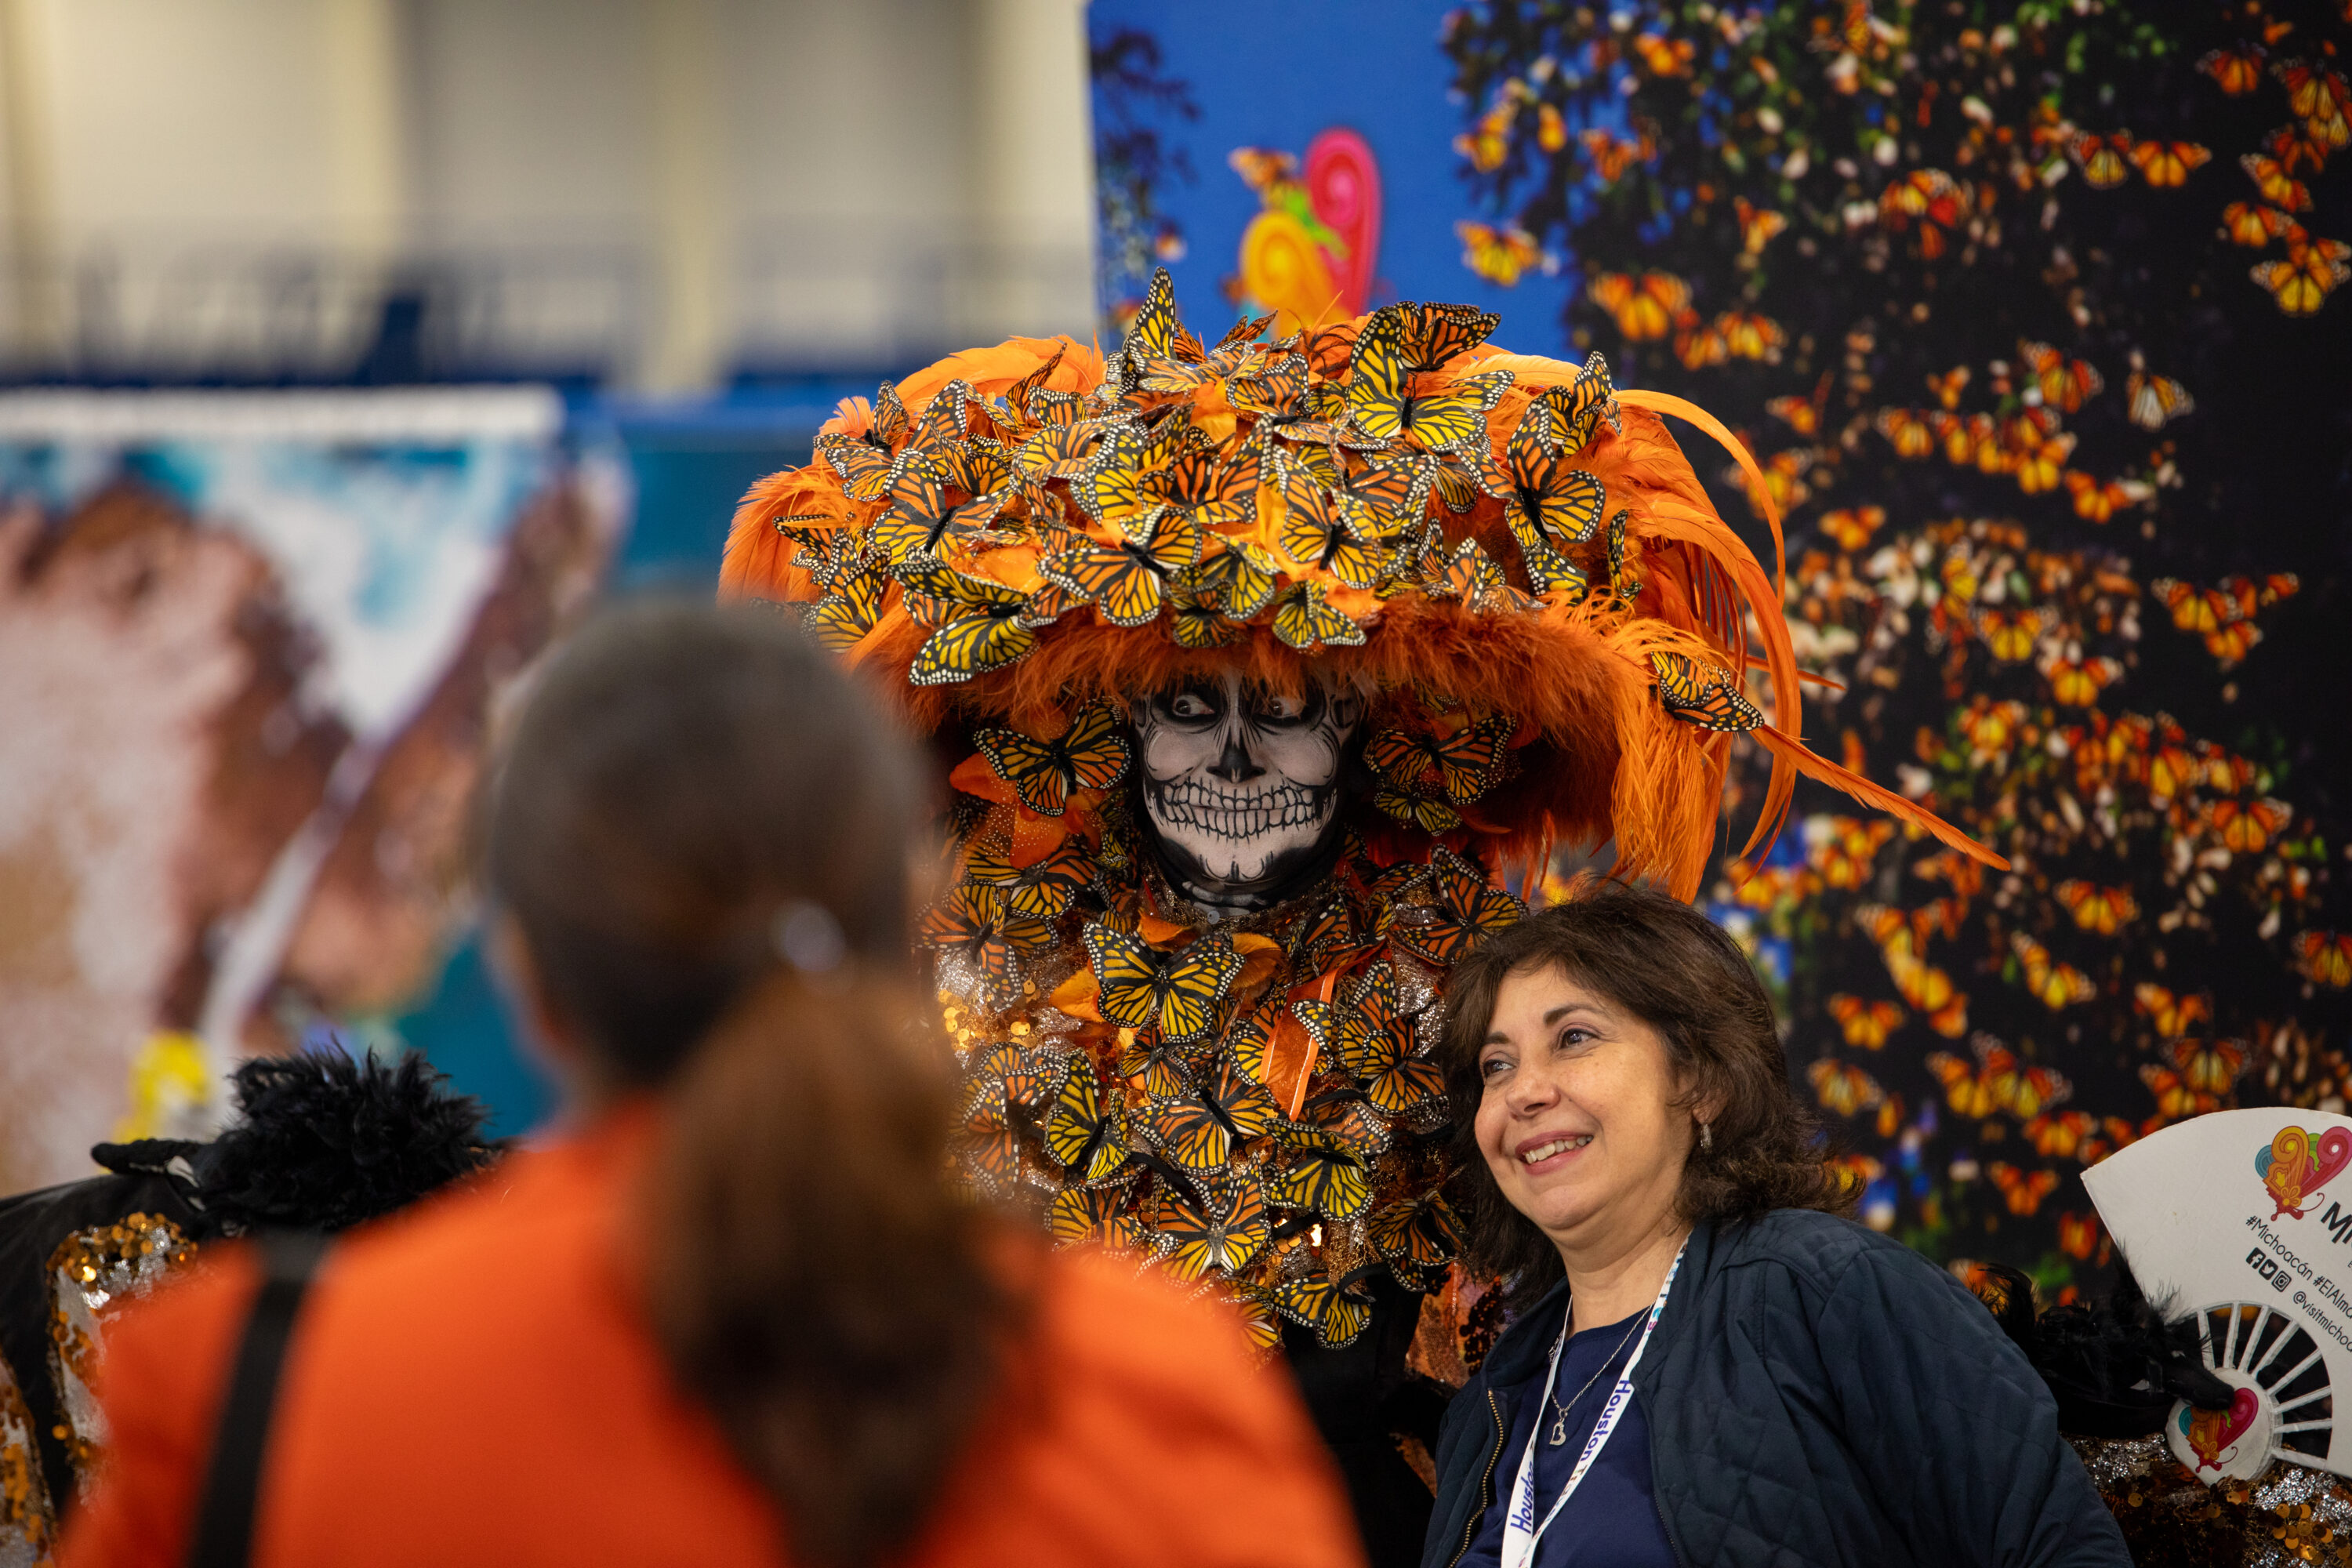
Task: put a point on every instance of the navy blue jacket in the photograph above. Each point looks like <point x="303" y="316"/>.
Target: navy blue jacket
<point x="1815" y="1394"/>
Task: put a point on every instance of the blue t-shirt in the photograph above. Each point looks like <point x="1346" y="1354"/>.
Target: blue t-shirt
<point x="1613" y="1519"/>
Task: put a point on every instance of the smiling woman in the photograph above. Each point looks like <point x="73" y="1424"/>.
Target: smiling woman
<point x="1708" y="1364"/>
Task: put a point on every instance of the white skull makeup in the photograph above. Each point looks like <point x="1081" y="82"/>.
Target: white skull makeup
<point x="1241" y="787"/>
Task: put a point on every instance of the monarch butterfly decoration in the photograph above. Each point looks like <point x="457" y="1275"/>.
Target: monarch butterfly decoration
<point x="2174" y="1099"/>
<point x="2168" y="164"/>
<point x="2311" y="272"/>
<point x="2103" y="159"/>
<point x="1498" y="255"/>
<point x="1551" y="505"/>
<point x="2326" y="957"/>
<point x="1865" y="1024"/>
<point x="2021" y="1190"/>
<point x="2078" y="1235"/>
<point x="1801" y="415"/>
<point x="2053" y="983"/>
<point x="1757" y="225"/>
<point x="1154" y="333"/>
<point x="1306" y="620"/>
<point x="980" y="624"/>
<point x="865" y="457"/>
<point x="2153" y="401"/>
<point x="1128" y="580"/>
<point x="975" y="922"/>
<point x="2099" y="501"/>
<point x="1611" y="155"/>
<point x="1390" y="491"/>
<point x="1644" y="308"/>
<point x="1091" y="755"/>
<point x="2077" y="682"/>
<point x="1175" y="995"/>
<point x="2063" y="383"/>
<point x="1746" y="336"/>
<point x="1701" y="694"/>
<point x="855" y="594"/>
<point x="1098" y="1216"/>
<point x="1222" y="1229"/>
<point x="2237" y="70"/>
<point x="1199" y="1130"/>
<point x="2170" y="1015"/>
<point x="1472" y="553"/>
<point x="1928" y="991"/>
<point x="1324" y="530"/>
<point x="2209" y="1067"/>
<point x="2253" y="224"/>
<point x="1334" y="1309"/>
<point x="2011" y="636"/>
<point x="1209" y="492"/>
<point x="1418" y="1236"/>
<point x="1967" y="1091"/>
<point x="1381" y="1045"/>
<point x="1323" y="1175"/>
<point x="2276" y="183"/>
<point x="1382" y="405"/>
<point x="1467" y="910"/>
<point x="1086" y="1129"/>
<point x="1476" y="579"/>
<point x="990" y="1142"/>
<point x="1909" y="434"/>
<point x="1040" y="890"/>
<point x="2246" y="827"/>
<point x="1456" y="768"/>
<point x="2096" y="909"/>
<point x="1845" y="1090"/>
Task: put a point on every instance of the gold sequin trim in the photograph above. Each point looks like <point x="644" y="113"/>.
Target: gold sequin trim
<point x="92" y="1273"/>
<point x="28" y="1521"/>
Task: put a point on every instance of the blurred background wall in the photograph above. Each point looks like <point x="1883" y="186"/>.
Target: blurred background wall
<point x="664" y="195"/>
<point x="258" y="259"/>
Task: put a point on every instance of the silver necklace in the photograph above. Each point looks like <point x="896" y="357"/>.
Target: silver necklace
<point x="1560" y="1426"/>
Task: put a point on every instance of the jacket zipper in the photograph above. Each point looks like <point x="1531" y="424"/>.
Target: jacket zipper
<point x="1487" y="1481"/>
<point x="1673" y="1541"/>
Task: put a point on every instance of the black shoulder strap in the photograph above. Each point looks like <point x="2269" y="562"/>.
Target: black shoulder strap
<point x="224" y="1533"/>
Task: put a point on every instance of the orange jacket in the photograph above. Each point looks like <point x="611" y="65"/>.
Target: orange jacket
<point x="470" y="1384"/>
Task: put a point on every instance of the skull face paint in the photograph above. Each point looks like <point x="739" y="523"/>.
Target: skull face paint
<point x="1240" y="786"/>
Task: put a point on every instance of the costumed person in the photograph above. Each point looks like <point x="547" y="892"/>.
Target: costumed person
<point x="320" y="1141"/>
<point x="1260" y="673"/>
<point x="1710" y="1364"/>
<point x="737" y="1311"/>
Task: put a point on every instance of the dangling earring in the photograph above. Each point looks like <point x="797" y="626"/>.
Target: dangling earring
<point x="1705" y="1139"/>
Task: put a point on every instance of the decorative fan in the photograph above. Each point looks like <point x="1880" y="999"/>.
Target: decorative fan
<point x="2247" y="1211"/>
<point x="2284" y="1407"/>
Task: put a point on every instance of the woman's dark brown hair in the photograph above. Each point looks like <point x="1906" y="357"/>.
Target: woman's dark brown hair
<point x="702" y="834"/>
<point x="1683" y="975"/>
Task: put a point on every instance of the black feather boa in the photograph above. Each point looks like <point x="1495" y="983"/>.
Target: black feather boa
<point x="321" y="1142"/>
<point x="2114" y="1367"/>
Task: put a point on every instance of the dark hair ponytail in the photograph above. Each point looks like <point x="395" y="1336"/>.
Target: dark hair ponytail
<point x="701" y="832"/>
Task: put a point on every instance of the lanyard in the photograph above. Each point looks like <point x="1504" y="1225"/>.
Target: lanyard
<point x="1520" y="1531"/>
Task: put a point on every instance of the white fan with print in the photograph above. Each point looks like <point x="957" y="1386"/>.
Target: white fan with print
<point x="2243" y="1219"/>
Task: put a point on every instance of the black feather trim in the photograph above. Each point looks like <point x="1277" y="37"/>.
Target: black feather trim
<point x="2114" y="1367"/>
<point x="323" y="1141"/>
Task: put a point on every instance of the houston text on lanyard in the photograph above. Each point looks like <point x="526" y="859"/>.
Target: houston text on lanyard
<point x="1520" y="1531"/>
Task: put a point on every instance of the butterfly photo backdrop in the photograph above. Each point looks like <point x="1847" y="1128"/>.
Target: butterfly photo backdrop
<point x="2032" y="319"/>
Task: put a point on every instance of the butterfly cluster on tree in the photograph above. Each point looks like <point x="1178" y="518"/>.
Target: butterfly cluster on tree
<point x="1956" y="270"/>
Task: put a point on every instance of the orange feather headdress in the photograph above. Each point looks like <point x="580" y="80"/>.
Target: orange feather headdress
<point x="1461" y="536"/>
<point x="1506" y="563"/>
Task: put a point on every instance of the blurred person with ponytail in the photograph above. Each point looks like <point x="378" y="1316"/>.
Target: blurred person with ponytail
<point x="737" y="1312"/>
